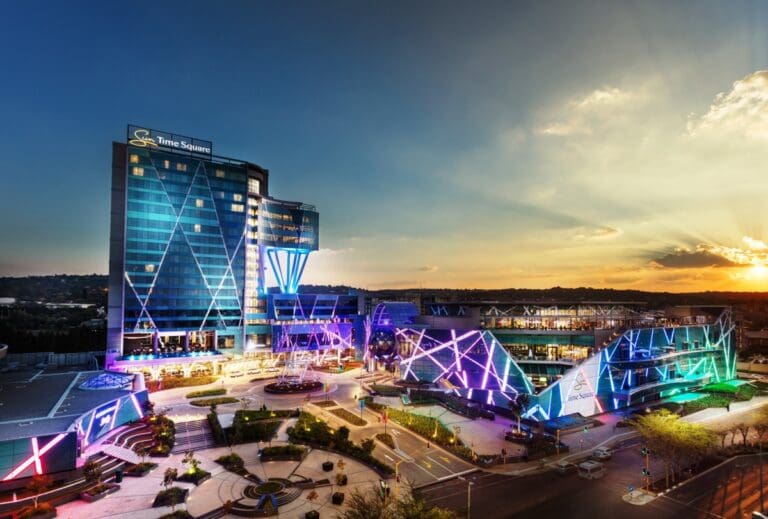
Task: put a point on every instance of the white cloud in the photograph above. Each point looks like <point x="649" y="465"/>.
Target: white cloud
<point x="742" y="111"/>
<point x="597" y="233"/>
<point x="580" y="116"/>
<point x="608" y="96"/>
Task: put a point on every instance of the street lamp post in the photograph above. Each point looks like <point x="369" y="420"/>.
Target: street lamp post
<point x="469" y="495"/>
<point x="397" y="479"/>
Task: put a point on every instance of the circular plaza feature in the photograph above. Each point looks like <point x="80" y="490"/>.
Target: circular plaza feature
<point x="286" y="387"/>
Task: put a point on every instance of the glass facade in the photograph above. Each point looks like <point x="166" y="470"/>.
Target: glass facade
<point x="190" y="236"/>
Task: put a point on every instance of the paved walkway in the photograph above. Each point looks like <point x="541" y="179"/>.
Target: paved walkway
<point x="134" y="499"/>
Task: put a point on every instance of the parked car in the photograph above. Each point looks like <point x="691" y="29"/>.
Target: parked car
<point x="272" y="370"/>
<point x="591" y="470"/>
<point x="601" y="454"/>
<point x="564" y="467"/>
<point x="254" y="371"/>
<point x="236" y="373"/>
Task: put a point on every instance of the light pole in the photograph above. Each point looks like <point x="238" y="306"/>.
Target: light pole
<point x="469" y="494"/>
<point x="397" y="479"/>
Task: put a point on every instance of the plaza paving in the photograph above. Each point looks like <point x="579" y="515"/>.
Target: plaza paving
<point x="134" y="499"/>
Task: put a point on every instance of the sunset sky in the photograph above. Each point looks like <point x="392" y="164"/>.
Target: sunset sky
<point x="488" y="145"/>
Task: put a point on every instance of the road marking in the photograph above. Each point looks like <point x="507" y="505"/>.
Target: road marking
<point x="395" y="432"/>
<point x="439" y="464"/>
<point x="388" y="457"/>
<point x="444" y="459"/>
<point x="427" y="464"/>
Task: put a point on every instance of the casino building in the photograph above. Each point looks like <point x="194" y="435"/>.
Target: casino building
<point x="623" y="357"/>
<point x="195" y="240"/>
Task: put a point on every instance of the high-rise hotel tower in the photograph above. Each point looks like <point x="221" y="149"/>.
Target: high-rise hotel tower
<point x="191" y="237"/>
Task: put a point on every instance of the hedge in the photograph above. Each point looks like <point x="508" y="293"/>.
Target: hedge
<point x="174" y="382"/>
<point x="208" y="402"/>
<point x="207" y="392"/>
<point x="432" y="430"/>
<point x="218" y="431"/>
<point x="387" y="390"/>
<point x="348" y="416"/>
<point x="283" y="450"/>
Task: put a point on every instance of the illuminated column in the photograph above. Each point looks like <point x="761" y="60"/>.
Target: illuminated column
<point x="288" y="266"/>
<point x="155" y="341"/>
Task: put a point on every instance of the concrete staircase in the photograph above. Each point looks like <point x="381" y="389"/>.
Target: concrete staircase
<point x="121" y="453"/>
<point x="192" y="436"/>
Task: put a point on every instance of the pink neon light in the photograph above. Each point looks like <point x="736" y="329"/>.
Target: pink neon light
<point x="36" y="457"/>
<point x="36" y="454"/>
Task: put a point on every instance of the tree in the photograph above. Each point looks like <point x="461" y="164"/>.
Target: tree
<point x="743" y="428"/>
<point x="169" y="476"/>
<point x="674" y="441"/>
<point x="342" y="436"/>
<point x="733" y="430"/>
<point x="722" y="434"/>
<point x="92" y="472"/>
<point x="189" y="459"/>
<point x="518" y="406"/>
<point x="39" y="484"/>
<point x="368" y="445"/>
<point x="142" y="450"/>
<point x="365" y="505"/>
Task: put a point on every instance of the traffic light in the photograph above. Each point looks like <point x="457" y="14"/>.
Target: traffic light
<point x="644" y="451"/>
<point x="646" y="472"/>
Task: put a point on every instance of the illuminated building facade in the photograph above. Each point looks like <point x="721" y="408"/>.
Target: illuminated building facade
<point x="638" y="365"/>
<point x="194" y="238"/>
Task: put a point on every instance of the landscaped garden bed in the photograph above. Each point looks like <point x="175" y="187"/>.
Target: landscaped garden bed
<point x="98" y="492"/>
<point x="432" y="430"/>
<point x="348" y="416"/>
<point x="207" y="392"/>
<point x="196" y="477"/>
<point x="163" y="435"/>
<point x="313" y="431"/>
<point x="140" y="469"/>
<point x="208" y="402"/>
<point x="174" y="382"/>
<point x="231" y="462"/>
<point x="386" y="390"/>
<point x="386" y="439"/>
<point x="288" y="387"/>
<point x="325" y="403"/>
<point x="283" y="453"/>
<point x="170" y="497"/>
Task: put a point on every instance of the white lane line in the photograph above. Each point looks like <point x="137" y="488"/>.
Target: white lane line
<point x="389" y="457"/>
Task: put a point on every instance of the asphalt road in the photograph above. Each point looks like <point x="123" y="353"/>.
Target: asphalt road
<point x="549" y="494"/>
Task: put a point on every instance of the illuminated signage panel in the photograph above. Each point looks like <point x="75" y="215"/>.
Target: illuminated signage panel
<point x="147" y="138"/>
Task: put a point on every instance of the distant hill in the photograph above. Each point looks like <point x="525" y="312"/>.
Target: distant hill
<point x="60" y="288"/>
<point x="93" y="289"/>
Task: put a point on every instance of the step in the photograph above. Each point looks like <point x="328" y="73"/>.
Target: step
<point x="121" y="453"/>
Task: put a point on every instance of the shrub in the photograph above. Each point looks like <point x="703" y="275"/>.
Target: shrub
<point x="174" y="382"/>
<point x="207" y="392"/>
<point x="746" y="392"/>
<point x="314" y="431"/>
<point x="387" y="390"/>
<point x="705" y="403"/>
<point x="283" y="450"/>
<point x="40" y="509"/>
<point x="349" y="417"/>
<point x="231" y="462"/>
<point x="432" y="430"/>
<point x="170" y="497"/>
<point x="386" y="439"/>
<point x="218" y="431"/>
<point x="207" y="402"/>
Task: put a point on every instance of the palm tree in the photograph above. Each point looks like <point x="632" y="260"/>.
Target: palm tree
<point x="518" y="405"/>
